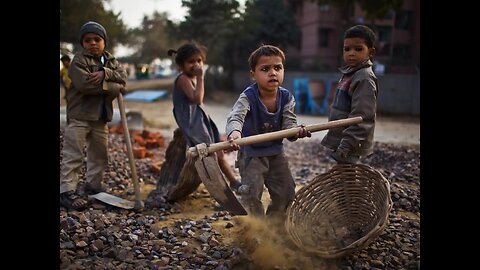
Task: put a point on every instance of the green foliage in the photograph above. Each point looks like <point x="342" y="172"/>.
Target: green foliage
<point x="151" y="39"/>
<point x="266" y="22"/>
<point x="210" y="23"/>
<point x="275" y="24"/>
<point x="74" y="13"/>
<point x="230" y="36"/>
<point x="215" y="25"/>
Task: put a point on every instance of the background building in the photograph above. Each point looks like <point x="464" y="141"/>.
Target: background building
<point x="322" y="27"/>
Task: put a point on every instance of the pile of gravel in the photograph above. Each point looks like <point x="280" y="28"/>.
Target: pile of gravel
<point x="105" y="237"/>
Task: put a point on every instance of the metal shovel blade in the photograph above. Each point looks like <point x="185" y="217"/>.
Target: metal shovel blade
<point x="213" y="179"/>
<point x="113" y="200"/>
<point x="135" y="120"/>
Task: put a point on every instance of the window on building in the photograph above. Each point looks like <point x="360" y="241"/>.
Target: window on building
<point x="384" y="36"/>
<point x="298" y="42"/>
<point x="323" y="35"/>
<point x="296" y="7"/>
<point x="384" y="33"/>
<point x="383" y="49"/>
<point x="324" y="7"/>
<point x="403" y="20"/>
<point x="402" y="54"/>
<point x="389" y="15"/>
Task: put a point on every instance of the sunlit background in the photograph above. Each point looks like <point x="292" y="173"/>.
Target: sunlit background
<point x="310" y="32"/>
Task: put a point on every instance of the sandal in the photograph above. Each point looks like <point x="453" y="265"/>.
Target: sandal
<point x="70" y="201"/>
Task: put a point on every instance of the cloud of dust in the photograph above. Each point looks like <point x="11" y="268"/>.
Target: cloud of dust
<point x="267" y="242"/>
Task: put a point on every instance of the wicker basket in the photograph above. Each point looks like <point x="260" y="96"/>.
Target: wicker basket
<point x="340" y="211"/>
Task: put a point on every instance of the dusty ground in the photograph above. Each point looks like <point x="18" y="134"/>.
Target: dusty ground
<point x="195" y="233"/>
<point x="236" y="242"/>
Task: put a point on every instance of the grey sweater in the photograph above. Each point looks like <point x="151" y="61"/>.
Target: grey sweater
<point x="356" y="95"/>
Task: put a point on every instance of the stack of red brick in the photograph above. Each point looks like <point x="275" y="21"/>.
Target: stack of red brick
<point x="144" y="143"/>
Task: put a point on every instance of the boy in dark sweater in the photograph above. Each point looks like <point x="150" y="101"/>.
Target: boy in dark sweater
<point x="356" y="95"/>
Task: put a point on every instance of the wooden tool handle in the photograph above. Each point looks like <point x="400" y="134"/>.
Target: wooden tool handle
<point x="138" y="202"/>
<point x="276" y="135"/>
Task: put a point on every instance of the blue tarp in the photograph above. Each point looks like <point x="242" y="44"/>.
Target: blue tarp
<point x="146" y="95"/>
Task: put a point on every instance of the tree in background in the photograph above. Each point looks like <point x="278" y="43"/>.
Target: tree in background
<point x="265" y="22"/>
<point x="74" y="13"/>
<point x="212" y="24"/>
<point x="230" y="36"/>
<point x="209" y="23"/>
<point x="152" y="39"/>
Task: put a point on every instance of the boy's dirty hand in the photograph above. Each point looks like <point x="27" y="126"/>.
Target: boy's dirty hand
<point x="96" y="77"/>
<point x="303" y="132"/>
<point x="233" y="136"/>
<point x="122" y="90"/>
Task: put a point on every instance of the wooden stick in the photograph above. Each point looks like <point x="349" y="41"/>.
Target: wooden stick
<point x="138" y="202"/>
<point x="276" y="135"/>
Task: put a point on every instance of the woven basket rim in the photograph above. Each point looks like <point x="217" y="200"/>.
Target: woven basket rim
<point x="365" y="239"/>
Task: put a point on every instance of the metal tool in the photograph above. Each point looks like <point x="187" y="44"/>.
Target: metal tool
<point x="212" y="176"/>
<point x="114" y="200"/>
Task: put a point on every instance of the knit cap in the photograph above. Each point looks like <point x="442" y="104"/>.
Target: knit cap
<point x="93" y="27"/>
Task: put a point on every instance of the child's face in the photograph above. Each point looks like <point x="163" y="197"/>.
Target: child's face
<point x="93" y="43"/>
<point x="268" y="73"/>
<point x="356" y="51"/>
<point x="193" y="62"/>
<point x="66" y="63"/>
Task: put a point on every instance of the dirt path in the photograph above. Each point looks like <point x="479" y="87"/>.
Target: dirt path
<point x="158" y="115"/>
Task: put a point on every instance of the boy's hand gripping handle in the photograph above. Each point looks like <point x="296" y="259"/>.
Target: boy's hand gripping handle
<point x="281" y="134"/>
